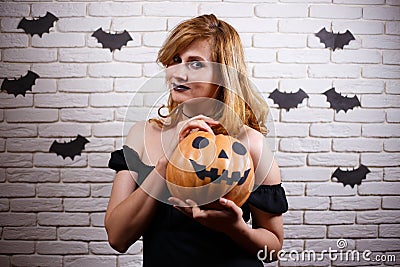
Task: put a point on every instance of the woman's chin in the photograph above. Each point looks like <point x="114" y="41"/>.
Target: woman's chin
<point x="179" y="97"/>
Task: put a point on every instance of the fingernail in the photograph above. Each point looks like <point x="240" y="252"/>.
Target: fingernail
<point x="224" y="201"/>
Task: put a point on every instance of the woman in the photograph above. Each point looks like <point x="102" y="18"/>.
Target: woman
<point x="199" y="56"/>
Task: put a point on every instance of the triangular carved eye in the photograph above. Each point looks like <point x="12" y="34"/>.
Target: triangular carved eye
<point x="223" y="155"/>
<point x="238" y="148"/>
<point x="200" y="142"/>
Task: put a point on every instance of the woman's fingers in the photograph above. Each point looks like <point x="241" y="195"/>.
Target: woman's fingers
<point x="184" y="128"/>
<point x="206" y="119"/>
<point x="197" y="213"/>
<point x="181" y="205"/>
<point x="178" y="202"/>
<point x="229" y="205"/>
<point x="193" y="126"/>
<point x="197" y="123"/>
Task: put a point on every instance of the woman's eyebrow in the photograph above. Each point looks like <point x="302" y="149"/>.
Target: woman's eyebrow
<point x="199" y="58"/>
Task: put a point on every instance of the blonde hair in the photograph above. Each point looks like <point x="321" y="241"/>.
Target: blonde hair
<point x="248" y="106"/>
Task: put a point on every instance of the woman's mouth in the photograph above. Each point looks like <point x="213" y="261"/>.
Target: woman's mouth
<point x="179" y="87"/>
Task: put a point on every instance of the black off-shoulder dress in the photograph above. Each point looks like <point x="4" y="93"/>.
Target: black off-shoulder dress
<point x="173" y="239"/>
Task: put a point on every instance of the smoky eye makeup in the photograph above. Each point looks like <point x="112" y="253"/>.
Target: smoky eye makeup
<point x="196" y="64"/>
<point x="177" y="59"/>
<point x="193" y="62"/>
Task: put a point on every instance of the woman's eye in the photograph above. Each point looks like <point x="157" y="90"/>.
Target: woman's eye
<point x="177" y="59"/>
<point x="196" y="65"/>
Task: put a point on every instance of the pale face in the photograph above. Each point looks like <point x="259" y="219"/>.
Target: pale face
<point x="192" y="74"/>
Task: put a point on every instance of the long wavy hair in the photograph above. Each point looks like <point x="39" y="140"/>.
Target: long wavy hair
<point x="236" y="92"/>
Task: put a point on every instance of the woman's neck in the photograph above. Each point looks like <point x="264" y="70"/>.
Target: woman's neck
<point x="204" y="106"/>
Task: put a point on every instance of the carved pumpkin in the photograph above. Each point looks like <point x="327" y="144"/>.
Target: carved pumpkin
<point x="205" y="167"/>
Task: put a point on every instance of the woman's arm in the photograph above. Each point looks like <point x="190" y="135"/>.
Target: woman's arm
<point x="267" y="228"/>
<point x="130" y="209"/>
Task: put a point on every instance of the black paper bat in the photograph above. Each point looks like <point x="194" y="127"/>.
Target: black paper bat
<point x="339" y="102"/>
<point x="69" y="149"/>
<point x="20" y="86"/>
<point x="352" y="177"/>
<point x="288" y="100"/>
<point x="112" y="41"/>
<point x="38" y="26"/>
<point x="334" y="40"/>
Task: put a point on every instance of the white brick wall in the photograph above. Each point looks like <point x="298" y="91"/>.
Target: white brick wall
<point x="52" y="210"/>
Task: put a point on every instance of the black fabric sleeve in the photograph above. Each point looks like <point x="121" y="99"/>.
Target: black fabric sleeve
<point x="269" y="198"/>
<point x="132" y="162"/>
<point x="117" y="161"/>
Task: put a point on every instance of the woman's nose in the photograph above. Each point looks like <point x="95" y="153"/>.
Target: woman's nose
<point x="179" y="72"/>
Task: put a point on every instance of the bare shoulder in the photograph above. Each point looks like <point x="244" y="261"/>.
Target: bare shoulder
<point x="274" y="175"/>
<point x="253" y="134"/>
<point x="263" y="157"/>
<point x="253" y="139"/>
<point x="135" y="137"/>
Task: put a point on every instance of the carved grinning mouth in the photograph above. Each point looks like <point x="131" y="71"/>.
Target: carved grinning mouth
<point x="202" y="173"/>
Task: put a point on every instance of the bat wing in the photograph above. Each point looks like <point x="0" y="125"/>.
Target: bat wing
<point x="353" y="177"/>
<point x="332" y="97"/>
<point x="339" y="102"/>
<point x="58" y="148"/>
<point x="45" y="23"/>
<point x="112" y="41"/>
<point x="301" y="95"/>
<point x="350" y="103"/>
<point x="38" y="26"/>
<point x="276" y="96"/>
<point x="69" y="149"/>
<point x="24" y="25"/>
<point x="123" y="38"/>
<point x="279" y="98"/>
<point x="327" y="38"/>
<point x="362" y="171"/>
<point x="20" y="86"/>
<point x="99" y="34"/>
<point x="343" y="39"/>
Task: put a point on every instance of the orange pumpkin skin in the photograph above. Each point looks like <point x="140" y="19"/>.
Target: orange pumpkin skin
<point x="205" y="167"/>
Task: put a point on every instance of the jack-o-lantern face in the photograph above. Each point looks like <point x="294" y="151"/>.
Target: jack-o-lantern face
<point x="205" y="167"/>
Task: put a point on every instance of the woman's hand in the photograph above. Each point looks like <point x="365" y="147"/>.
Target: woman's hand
<point x="225" y="216"/>
<point x="171" y="140"/>
<point x="197" y="123"/>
